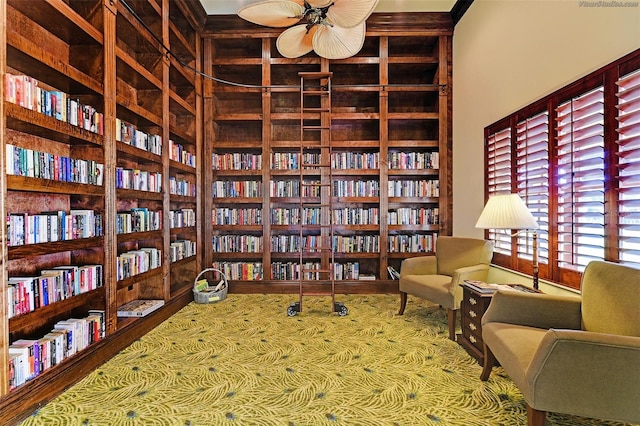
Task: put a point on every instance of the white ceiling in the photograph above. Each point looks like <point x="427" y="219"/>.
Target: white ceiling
<point x="230" y="7"/>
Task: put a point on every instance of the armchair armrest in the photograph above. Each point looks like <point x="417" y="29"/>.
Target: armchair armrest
<point x="534" y="310"/>
<point x="421" y="265"/>
<point x="569" y="365"/>
<point x="476" y="272"/>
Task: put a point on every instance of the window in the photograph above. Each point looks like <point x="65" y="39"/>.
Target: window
<point x="574" y="158"/>
<point x="628" y="169"/>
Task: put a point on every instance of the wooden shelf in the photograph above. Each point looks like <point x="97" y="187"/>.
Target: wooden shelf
<point x="392" y="96"/>
<point x="101" y="55"/>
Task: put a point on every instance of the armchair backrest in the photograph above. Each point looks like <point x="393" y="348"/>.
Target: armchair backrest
<point x="455" y="252"/>
<point x="611" y="299"/>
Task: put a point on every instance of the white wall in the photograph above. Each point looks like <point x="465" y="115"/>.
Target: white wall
<point x="508" y="53"/>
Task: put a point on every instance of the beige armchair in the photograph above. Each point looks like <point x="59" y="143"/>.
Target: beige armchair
<point x="438" y="278"/>
<point x="572" y="355"/>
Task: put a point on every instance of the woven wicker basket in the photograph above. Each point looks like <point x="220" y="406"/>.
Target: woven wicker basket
<point x="210" y="293"/>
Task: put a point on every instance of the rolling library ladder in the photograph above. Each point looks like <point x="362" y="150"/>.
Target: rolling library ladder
<point x="316" y="212"/>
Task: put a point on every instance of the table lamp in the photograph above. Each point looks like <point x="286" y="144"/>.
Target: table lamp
<point x="508" y="211"/>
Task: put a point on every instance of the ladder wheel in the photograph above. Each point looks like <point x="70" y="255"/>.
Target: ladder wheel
<point x="341" y="310"/>
<point x="293" y="309"/>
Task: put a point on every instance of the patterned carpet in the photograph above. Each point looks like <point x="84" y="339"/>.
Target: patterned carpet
<point x="243" y="361"/>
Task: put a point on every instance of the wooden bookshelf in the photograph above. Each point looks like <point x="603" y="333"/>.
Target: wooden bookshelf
<point x="113" y="57"/>
<point x="392" y="99"/>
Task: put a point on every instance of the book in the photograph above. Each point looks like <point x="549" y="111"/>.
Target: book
<point x="367" y="277"/>
<point x="481" y="286"/>
<point x="395" y="275"/>
<point x="139" y="307"/>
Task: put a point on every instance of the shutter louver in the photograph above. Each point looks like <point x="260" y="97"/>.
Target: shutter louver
<point x="629" y="169"/>
<point x="580" y="180"/>
<point x="499" y="180"/>
<point x="532" y="174"/>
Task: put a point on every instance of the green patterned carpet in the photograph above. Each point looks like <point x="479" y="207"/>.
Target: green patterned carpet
<point x="243" y="361"/>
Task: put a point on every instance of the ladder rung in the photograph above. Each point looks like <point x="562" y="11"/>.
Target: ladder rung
<point x="316" y="249"/>
<point x="307" y="127"/>
<point x="321" y="271"/>
<point x="316" y="110"/>
<point x="315" y="74"/>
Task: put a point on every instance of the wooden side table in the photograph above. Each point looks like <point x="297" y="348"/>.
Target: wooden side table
<point x="472" y="308"/>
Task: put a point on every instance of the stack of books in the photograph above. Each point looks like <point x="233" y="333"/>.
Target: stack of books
<point x="139" y="308"/>
<point x="481" y="286"/>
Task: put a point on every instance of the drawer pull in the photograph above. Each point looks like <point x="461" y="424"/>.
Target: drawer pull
<point x="473" y="339"/>
<point x="472" y="326"/>
<point x="473" y="301"/>
<point x="472" y="314"/>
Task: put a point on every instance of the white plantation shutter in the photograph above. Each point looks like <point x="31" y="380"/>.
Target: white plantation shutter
<point x="532" y="175"/>
<point x="580" y="180"/>
<point x="499" y="180"/>
<point x="629" y="169"/>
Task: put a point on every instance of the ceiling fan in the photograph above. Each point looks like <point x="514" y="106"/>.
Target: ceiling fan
<point x="333" y="29"/>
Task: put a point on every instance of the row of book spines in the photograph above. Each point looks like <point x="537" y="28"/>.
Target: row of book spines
<point x="136" y="262"/>
<point x="246" y="271"/>
<point x="26" y="92"/>
<point x="179" y="153"/>
<point x="237" y="243"/>
<point x="415" y="243"/>
<point x="237" y="161"/>
<point x="26" y="294"/>
<point x="29" y="358"/>
<point x="182" y="187"/>
<point x="339" y="160"/>
<point x="291" y="160"/>
<point x="25" y="228"/>
<point x="182" y="218"/>
<point x="292" y="270"/>
<point x="181" y="249"/>
<point x="346" y="216"/>
<point x="356" y="244"/>
<point x="414" y="160"/>
<point x="414" y="188"/>
<point x="293" y="243"/>
<point x="138" y="220"/>
<point x="355" y="160"/>
<point x="292" y="216"/>
<point x="43" y="165"/>
<point x="246" y="188"/>
<point x="129" y="134"/>
<point x="233" y="216"/>
<point x="406" y="216"/>
<point x="140" y="180"/>
<point x="355" y="188"/>
<point x="291" y="188"/>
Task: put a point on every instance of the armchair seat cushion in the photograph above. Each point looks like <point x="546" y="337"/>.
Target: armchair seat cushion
<point x="517" y="345"/>
<point x="435" y="288"/>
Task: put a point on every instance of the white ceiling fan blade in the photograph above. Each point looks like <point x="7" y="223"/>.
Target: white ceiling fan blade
<point x="337" y="42"/>
<point x="349" y="13"/>
<point x="318" y="3"/>
<point x="295" y="41"/>
<point x="273" y="13"/>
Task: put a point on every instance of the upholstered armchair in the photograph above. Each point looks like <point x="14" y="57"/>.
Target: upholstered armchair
<point x="572" y="355"/>
<point x="438" y="278"/>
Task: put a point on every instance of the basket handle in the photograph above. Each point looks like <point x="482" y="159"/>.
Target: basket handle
<point x="222" y="274"/>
